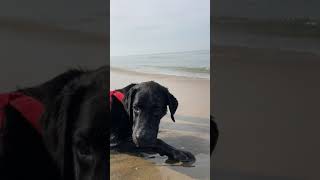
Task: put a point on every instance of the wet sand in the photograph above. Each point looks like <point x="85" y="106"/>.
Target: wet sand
<point x="132" y="167"/>
<point x="266" y="103"/>
<point x="190" y="132"/>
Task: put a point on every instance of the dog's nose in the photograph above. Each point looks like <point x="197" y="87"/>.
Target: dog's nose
<point x="144" y="140"/>
<point x="141" y="138"/>
<point x="137" y="140"/>
<point x="138" y="136"/>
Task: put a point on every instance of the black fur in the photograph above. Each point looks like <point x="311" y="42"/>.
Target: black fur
<point x="75" y="125"/>
<point x="135" y="121"/>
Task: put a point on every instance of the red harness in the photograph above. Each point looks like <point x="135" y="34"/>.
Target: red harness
<point x="117" y="94"/>
<point x="30" y="108"/>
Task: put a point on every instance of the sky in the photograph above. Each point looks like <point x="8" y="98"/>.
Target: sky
<point x="156" y="26"/>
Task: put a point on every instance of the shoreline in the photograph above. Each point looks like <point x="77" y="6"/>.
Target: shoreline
<point x="156" y="75"/>
<point x="191" y="92"/>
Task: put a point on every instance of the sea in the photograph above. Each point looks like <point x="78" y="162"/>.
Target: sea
<point x="193" y="64"/>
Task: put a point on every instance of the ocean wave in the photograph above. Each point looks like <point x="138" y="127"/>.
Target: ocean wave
<point x="205" y="70"/>
<point x="159" y="71"/>
<point x="187" y="63"/>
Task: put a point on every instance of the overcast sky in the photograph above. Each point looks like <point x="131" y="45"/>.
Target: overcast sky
<point x="153" y="26"/>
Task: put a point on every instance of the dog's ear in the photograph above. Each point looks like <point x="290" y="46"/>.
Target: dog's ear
<point x="173" y="105"/>
<point x="127" y="88"/>
<point x="128" y="101"/>
<point x="57" y="121"/>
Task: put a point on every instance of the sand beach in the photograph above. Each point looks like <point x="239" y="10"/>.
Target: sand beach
<point x="191" y="131"/>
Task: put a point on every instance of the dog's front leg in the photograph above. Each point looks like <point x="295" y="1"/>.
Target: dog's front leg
<point x="173" y="154"/>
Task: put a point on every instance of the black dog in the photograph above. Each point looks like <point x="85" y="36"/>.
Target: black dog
<point x="74" y="128"/>
<point x="136" y="119"/>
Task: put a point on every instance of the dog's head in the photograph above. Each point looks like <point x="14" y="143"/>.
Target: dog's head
<point x="76" y="128"/>
<point x="146" y="103"/>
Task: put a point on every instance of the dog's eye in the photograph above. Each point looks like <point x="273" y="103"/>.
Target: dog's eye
<point x="84" y="149"/>
<point x="136" y="109"/>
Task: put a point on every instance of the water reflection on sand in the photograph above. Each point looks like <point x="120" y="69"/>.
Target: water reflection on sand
<point x="190" y="134"/>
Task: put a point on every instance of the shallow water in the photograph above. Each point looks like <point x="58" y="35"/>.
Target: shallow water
<point x="124" y="166"/>
<point x="187" y="64"/>
<point x="192" y="135"/>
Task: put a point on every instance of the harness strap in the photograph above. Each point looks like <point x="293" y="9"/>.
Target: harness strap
<point x="119" y="95"/>
<point x="30" y="108"/>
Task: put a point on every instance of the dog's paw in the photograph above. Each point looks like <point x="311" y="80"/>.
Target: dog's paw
<point x="182" y="156"/>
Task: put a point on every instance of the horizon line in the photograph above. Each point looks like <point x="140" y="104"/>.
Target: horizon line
<point x="154" y="53"/>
